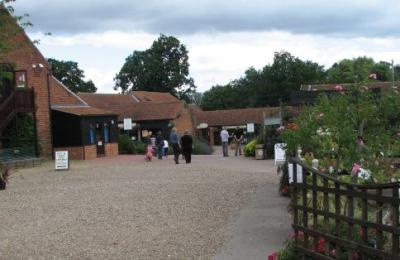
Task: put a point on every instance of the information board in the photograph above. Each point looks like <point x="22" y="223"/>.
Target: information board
<point x="127" y="123"/>
<point x="61" y="160"/>
<point x="279" y="153"/>
<point x="250" y="128"/>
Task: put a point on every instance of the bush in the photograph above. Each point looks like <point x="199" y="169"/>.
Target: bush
<point x="250" y="148"/>
<point x="140" y="147"/>
<point x="125" y="144"/>
<point x="201" y="146"/>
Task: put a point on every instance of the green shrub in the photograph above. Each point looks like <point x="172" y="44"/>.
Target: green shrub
<point x="201" y="146"/>
<point x="125" y="144"/>
<point x="140" y="147"/>
<point x="250" y="148"/>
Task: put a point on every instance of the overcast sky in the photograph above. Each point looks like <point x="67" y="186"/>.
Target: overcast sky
<point x="224" y="37"/>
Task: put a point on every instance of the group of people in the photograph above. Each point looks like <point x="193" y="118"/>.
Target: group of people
<point x="237" y="137"/>
<point x="158" y="145"/>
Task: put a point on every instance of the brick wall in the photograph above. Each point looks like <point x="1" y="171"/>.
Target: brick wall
<point x="24" y="57"/>
<point x="184" y="121"/>
<point x="90" y="152"/>
<point x="75" y="152"/>
<point x="111" y="149"/>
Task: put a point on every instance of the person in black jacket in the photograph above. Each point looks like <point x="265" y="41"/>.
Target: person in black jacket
<point x="186" y="144"/>
<point x="159" y="144"/>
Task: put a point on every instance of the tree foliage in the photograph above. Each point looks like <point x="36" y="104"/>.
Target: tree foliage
<point x="330" y="131"/>
<point x="71" y="76"/>
<point x="276" y="82"/>
<point x="164" y="68"/>
<point x="266" y="87"/>
<point x="358" y="70"/>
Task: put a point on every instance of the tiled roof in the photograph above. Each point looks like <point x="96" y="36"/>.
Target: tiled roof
<point x="152" y="111"/>
<point x="83" y="111"/>
<point x="235" y="117"/>
<point x="331" y="87"/>
<point x="126" y="106"/>
<point x="148" y="96"/>
<point x="107" y="100"/>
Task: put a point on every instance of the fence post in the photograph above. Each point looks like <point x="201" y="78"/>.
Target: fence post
<point x="395" y="220"/>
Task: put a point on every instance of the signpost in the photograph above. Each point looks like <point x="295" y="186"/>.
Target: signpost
<point x="127" y="123"/>
<point x="250" y="128"/>
<point x="62" y="160"/>
<point x="279" y="152"/>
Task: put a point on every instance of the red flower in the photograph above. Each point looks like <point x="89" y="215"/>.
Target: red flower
<point x="273" y="256"/>
<point x="285" y="190"/>
<point x="321" y="245"/>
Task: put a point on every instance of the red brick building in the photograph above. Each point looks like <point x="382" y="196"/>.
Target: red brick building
<point x="150" y="112"/>
<point x="39" y="115"/>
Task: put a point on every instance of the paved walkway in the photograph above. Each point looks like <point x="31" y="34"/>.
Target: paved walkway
<point x="125" y="208"/>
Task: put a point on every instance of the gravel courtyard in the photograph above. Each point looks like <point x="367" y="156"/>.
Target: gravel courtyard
<point x="125" y="208"/>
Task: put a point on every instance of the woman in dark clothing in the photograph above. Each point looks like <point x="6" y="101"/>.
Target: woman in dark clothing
<point x="186" y="144"/>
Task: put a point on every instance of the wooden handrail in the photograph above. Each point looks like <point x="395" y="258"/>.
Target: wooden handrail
<point x="360" y="186"/>
<point x="6" y="101"/>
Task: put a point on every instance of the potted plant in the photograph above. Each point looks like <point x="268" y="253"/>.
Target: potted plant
<point x="4" y="173"/>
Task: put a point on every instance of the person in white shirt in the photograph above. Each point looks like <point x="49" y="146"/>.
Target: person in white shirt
<point x="165" y="148"/>
<point x="224" y="141"/>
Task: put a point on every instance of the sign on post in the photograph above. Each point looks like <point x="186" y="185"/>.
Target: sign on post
<point x="127" y="123"/>
<point x="62" y="160"/>
<point x="279" y="153"/>
<point x="299" y="171"/>
<point x="272" y="121"/>
<point x="250" y="128"/>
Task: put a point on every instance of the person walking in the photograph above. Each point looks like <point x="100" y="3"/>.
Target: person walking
<point x="186" y="144"/>
<point x="165" y="148"/>
<point x="224" y="140"/>
<point x="238" y="138"/>
<point x="159" y="144"/>
<point x="174" y="141"/>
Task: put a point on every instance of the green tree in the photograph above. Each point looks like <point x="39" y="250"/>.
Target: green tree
<point x="358" y="70"/>
<point x="71" y="76"/>
<point x="164" y="68"/>
<point x="267" y="87"/>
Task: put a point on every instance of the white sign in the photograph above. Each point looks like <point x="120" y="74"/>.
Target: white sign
<point x="62" y="162"/>
<point x="202" y="126"/>
<point x="299" y="173"/>
<point x="280" y="156"/>
<point x="127" y="123"/>
<point x="250" y="128"/>
<point x="272" y="121"/>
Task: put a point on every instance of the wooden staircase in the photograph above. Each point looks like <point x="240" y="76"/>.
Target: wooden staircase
<point x="7" y="112"/>
<point x="18" y="101"/>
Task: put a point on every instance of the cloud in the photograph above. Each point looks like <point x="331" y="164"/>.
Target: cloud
<point x="182" y="17"/>
<point x="215" y="58"/>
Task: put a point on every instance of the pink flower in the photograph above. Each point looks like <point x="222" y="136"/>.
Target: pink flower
<point x="273" y="256"/>
<point x="280" y="129"/>
<point x="372" y="76"/>
<point x="356" y="169"/>
<point x="300" y="234"/>
<point x="338" y="88"/>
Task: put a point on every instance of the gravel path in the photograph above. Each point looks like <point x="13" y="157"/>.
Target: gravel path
<point x="126" y="208"/>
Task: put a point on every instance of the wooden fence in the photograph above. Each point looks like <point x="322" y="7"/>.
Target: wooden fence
<point x="337" y="220"/>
